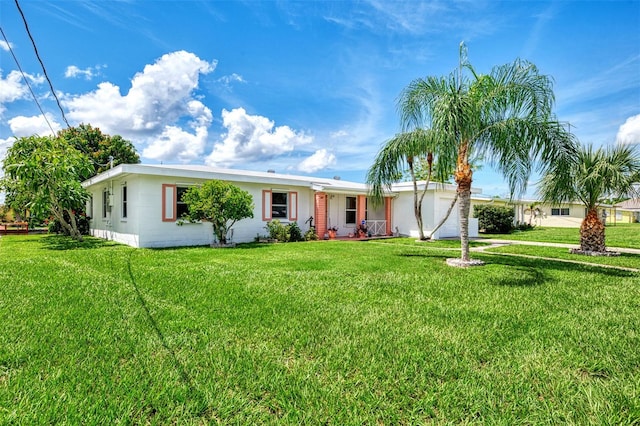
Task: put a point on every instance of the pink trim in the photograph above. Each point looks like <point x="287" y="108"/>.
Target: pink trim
<point x="293" y="206"/>
<point x="266" y="198"/>
<point x="174" y="202"/>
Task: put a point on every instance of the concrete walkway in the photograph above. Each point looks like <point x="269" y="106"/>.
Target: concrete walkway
<point x="502" y="243"/>
<point x="499" y="243"/>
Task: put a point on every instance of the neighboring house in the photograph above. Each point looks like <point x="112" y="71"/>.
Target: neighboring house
<point x="566" y="215"/>
<point x="629" y="210"/>
<point x="140" y="205"/>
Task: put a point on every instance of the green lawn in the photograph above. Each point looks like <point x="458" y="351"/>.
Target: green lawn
<point x="620" y="235"/>
<point x="625" y="260"/>
<point x="311" y="333"/>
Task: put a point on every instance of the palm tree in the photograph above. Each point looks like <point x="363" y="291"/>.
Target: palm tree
<point x="597" y="175"/>
<point x="505" y="117"/>
<point x="534" y="211"/>
<point x="397" y="153"/>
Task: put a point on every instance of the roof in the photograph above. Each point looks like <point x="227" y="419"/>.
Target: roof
<point x="247" y="176"/>
<point x="631" y="204"/>
<point x="206" y="172"/>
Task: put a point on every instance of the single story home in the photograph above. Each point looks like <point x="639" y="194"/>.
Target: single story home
<point x="629" y="210"/>
<point x="566" y="215"/>
<point x="140" y="205"/>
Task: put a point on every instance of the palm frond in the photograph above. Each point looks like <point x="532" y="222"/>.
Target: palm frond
<point x="393" y="158"/>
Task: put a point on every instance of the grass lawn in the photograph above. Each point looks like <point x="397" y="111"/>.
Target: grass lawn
<point x="620" y="235"/>
<point x="311" y="333"/>
<point x="624" y="260"/>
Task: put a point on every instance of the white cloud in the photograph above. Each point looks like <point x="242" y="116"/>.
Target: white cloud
<point x="34" y="125"/>
<point x="252" y="138"/>
<point x="160" y="97"/>
<point x="88" y="73"/>
<point x="12" y="88"/>
<point x="176" y="144"/>
<point x="629" y="132"/>
<point x="5" y="46"/>
<point x="5" y="144"/>
<point x="319" y="160"/>
<point x="228" y="79"/>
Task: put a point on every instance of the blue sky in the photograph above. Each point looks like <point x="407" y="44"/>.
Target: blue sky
<point x="303" y="87"/>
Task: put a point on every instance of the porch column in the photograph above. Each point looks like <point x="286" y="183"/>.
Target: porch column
<point x="320" y="208"/>
<point x="387" y="214"/>
<point x="361" y="208"/>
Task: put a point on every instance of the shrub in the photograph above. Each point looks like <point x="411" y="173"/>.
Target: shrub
<point x="277" y="231"/>
<point x="295" y="234"/>
<point x="311" y="235"/>
<point x="494" y="219"/>
<point x="524" y="226"/>
<point x="286" y="233"/>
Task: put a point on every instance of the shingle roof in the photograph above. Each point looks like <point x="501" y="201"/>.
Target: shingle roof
<point x="632" y="204"/>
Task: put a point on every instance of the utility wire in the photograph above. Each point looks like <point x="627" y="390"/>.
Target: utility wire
<point x="24" y="77"/>
<point x="41" y="63"/>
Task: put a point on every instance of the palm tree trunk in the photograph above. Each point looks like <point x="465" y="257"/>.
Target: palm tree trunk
<point x="464" y="207"/>
<point x="417" y="206"/>
<point x="446" y="216"/>
<point x="464" y="177"/>
<point x="592" y="232"/>
<point x="424" y="192"/>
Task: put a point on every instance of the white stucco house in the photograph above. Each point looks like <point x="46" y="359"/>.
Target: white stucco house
<point x="566" y="215"/>
<point x="140" y="205"/>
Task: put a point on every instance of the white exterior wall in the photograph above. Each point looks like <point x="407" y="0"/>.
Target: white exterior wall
<point x="144" y="226"/>
<point x="434" y="207"/>
<point x="113" y="226"/>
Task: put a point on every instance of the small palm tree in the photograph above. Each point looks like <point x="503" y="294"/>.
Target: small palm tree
<point x="534" y="211"/>
<point x="504" y="117"/>
<point x="596" y="175"/>
<point x="397" y="153"/>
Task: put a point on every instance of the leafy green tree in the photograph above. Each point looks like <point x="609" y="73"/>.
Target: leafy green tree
<point x="102" y="149"/>
<point x="504" y="117"/>
<point x="42" y="174"/>
<point x="4" y="212"/>
<point x="598" y="174"/>
<point x="221" y="203"/>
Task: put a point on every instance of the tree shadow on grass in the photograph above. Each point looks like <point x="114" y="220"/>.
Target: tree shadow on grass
<point x="61" y="242"/>
<point x="526" y="271"/>
<point x="535" y="271"/>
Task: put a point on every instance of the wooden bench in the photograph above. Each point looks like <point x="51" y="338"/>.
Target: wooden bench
<point x="14" y="228"/>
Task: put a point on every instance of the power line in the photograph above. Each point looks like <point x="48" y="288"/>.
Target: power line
<point x="24" y="77"/>
<point x="41" y="63"/>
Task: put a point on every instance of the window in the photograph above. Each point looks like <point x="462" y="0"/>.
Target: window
<point x="280" y="205"/>
<point x="560" y="212"/>
<point x="89" y="207"/>
<point x="124" y="201"/>
<point x="172" y="205"/>
<point x="350" y="211"/>
<point x="105" y="202"/>
<point x="181" y="207"/>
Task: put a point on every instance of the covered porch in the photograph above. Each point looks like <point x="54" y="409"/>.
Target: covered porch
<point x="346" y="215"/>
